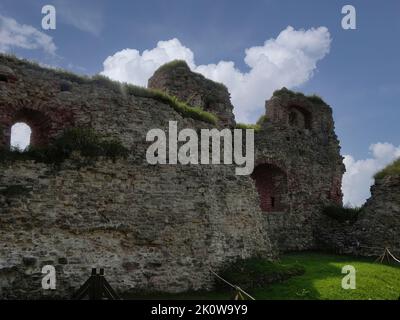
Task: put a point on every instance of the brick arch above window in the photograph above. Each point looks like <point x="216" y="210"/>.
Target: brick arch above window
<point x="39" y="123"/>
<point x="299" y="117"/>
<point x="272" y="187"/>
<point x="46" y="120"/>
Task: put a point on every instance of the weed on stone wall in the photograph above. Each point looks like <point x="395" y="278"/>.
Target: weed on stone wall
<point x="391" y="170"/>
<point x="182" y="108"/>
<point x="342" y="214"/>
<point x="257" y="126"/>
<point x="261" y="120"/>
<point x="315" y="99"/>
<point x="182" y="63"/>
<point x="245" y="126"/>
<point x="172" y="65"/>
<point x="84" y="141"/>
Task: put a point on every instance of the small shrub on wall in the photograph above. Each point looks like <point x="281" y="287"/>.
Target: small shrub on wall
<point x="85" y="141"/>
<point x="342" y="214"/>
<point x="391" y="170"/>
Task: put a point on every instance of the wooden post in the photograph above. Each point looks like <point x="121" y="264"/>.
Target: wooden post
<point x="96" y="288"/>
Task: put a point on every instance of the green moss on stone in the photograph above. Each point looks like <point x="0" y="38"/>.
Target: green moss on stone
<point x="391" y="170"/>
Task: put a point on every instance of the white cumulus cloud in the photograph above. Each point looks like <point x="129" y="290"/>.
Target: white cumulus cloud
<point x="359" y="173"/>
<point x="15" y="35"/>
<point x="129" y="65"/>
<point x="288" y="60"/>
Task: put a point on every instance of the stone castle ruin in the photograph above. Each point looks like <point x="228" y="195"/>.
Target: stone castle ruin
<point x="155" y="227"/>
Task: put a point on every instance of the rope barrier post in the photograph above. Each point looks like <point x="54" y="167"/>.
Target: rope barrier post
<point x="240" y="290"/>
<point x="392" y="255"/>
<point x="388" y="255"/>
<point x="96" y="288"/>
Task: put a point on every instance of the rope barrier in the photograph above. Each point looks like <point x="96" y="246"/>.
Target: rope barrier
<point x="386" y="249"/>
<point x="392" y="255"/>
<point x="233" y="286"/>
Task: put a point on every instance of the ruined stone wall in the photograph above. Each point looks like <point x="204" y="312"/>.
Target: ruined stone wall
<point x="308" y="152"/>
<point x="379" y="225"/>
<point x="297" y="141"/>
<point x="177" y="79"/>
<point x="152" y="227"/>
<point x="377" y="228"/>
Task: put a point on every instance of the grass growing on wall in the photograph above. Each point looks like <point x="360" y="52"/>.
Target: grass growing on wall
<point x="391" y="170"/>
<point x="173" y="64"/>
<point x="257" y="126"/>
<point x="245" y="126"/>
<point x="315" y="99"/>
<point x="182" y="108"/>
<point x="182" y="63"/>
<point x="83" y="140"/>
<point x="342" y="214"/>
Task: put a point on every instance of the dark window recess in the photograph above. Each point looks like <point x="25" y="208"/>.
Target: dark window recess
<point x="3" y="78"/>
<point x="271" y="184"/>
<point x="65" y="86"/>
<point x="293" y="119"/>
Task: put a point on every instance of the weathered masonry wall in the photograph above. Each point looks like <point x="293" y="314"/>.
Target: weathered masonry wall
<point x="151" y="227"/>
<point x="298" y="163"/>
<point x="299" y="151"/>
<point x="176" y="79"/>
<point x="377" y="228"/>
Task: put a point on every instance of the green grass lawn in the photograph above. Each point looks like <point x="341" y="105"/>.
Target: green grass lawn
<point x="321" y="280"/>
<point x="323" y="277"/>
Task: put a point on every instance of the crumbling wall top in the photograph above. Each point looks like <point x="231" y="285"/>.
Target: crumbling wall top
<point x="297" y="111"/>
<point x="176" y="78"/>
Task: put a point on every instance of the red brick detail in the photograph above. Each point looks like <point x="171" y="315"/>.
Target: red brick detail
<point x="335" y="193"/>
<point x="44" y="124"/>
<point x="271" y="184"/>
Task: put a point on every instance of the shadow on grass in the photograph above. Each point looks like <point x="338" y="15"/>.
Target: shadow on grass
<point x="318" y="267"/>
<point x="322" y="280"/>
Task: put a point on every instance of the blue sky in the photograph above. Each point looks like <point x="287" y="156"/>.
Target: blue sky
<point x="359" y="77"/>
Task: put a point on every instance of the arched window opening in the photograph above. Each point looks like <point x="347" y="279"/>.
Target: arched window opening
<point x="20" y="136"/>
<point x="300" y="118"/>
<point x="3" y="78"/>
<point x="271" y="184"/>
<point x="293" y="121"/>
<point x="39" y="127"/>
